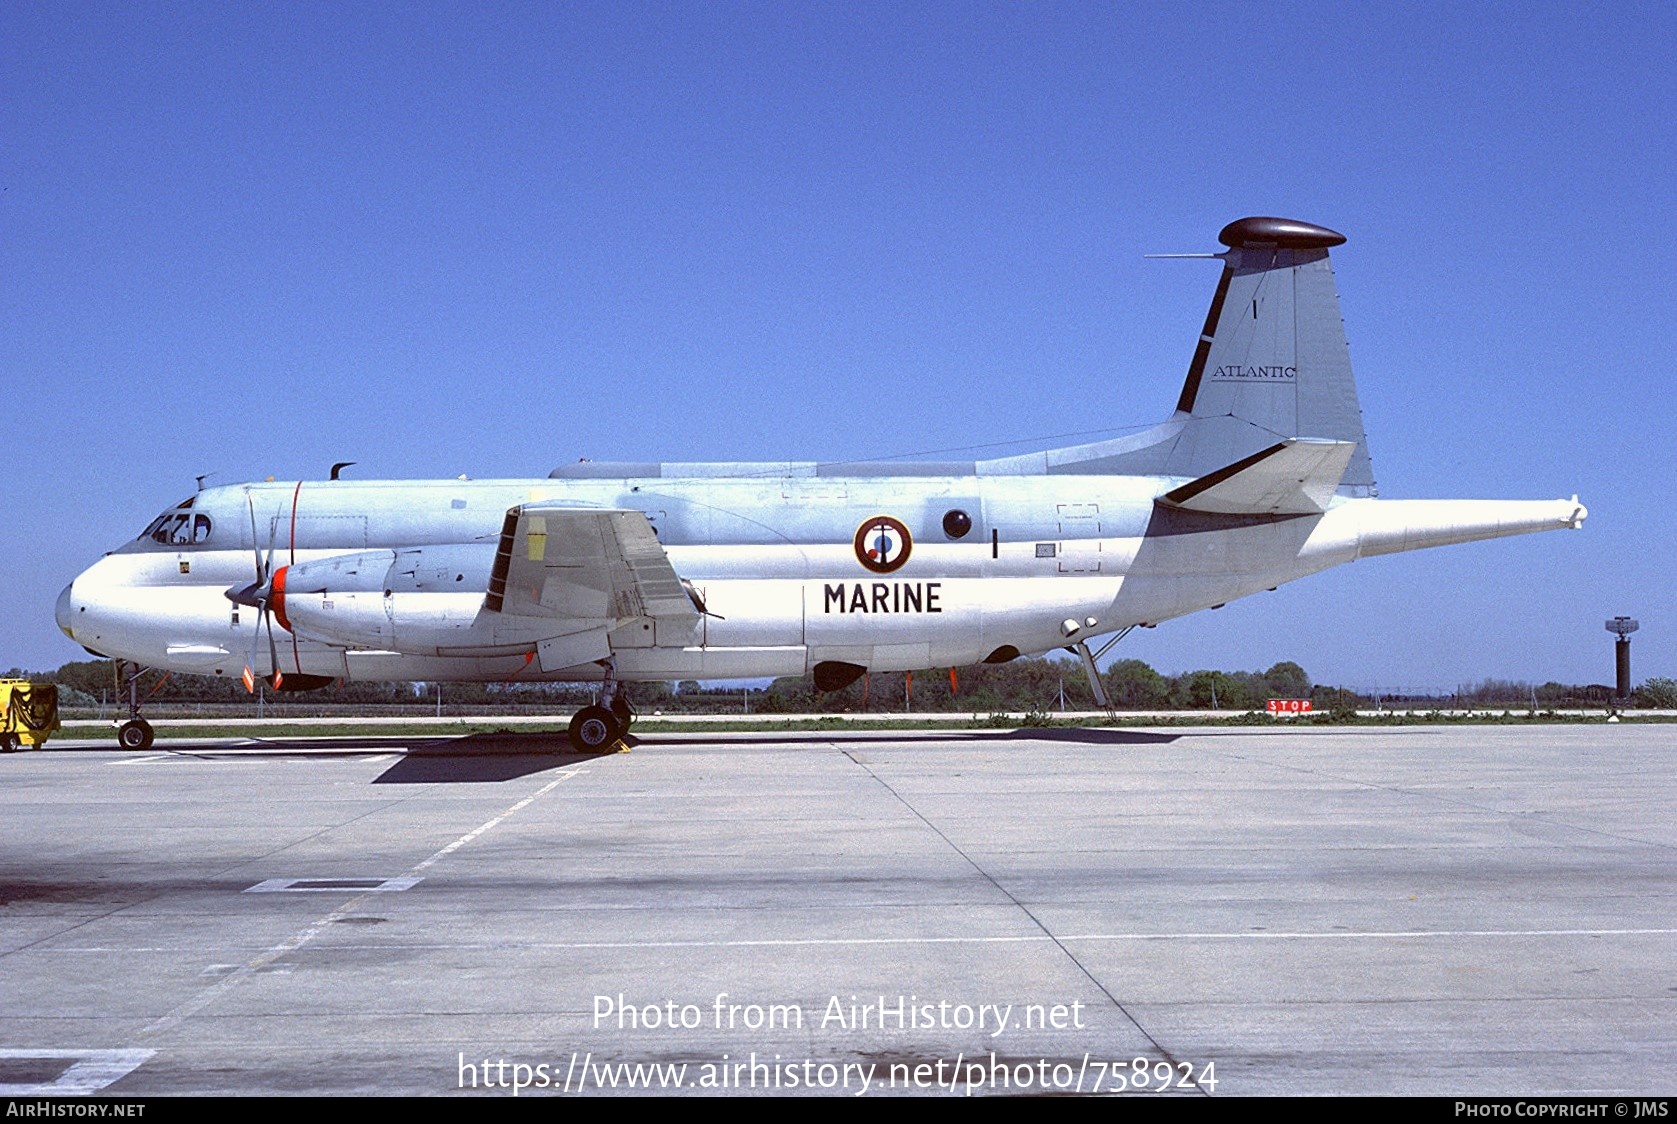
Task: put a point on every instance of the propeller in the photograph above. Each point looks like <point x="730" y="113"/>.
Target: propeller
<point x="261" y="594"/>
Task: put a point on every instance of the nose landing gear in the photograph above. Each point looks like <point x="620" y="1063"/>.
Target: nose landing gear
<point x="136" y="733"/>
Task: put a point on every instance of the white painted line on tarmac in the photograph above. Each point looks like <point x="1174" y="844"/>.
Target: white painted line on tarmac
<point x="563" y="776"/>
<point x="331" y="885"/>
<point x="304" y="936"/>
<point x="1039" y="938"/>
<point x="260" y="748"/>
<point x="1027" y="938"/>
<point x="256" y="749"/>
<point x="79" y="1072"/>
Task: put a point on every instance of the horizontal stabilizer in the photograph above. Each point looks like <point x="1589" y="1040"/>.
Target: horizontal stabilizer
<point x="1294" y="477"/>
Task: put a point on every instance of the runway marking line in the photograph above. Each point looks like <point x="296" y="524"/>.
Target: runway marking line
<point x="331" y="885"/>
<point x="79" y="1072"/>
<point x="258" y="750"/>
<point x="303" y="936"/>
<point x="794" y="942"/>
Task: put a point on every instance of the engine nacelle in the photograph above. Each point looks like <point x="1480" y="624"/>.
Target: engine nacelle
<point x="417" y="601"/>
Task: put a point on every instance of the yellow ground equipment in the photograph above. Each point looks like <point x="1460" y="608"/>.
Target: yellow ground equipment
<point x="28" y="713"/>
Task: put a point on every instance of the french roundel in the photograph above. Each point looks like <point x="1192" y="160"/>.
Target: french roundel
<point x="883" y="544"/>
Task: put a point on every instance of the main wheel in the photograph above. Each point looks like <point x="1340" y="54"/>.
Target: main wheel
<point x="135" y="735"/>
<point x="593" y="729"/>
<point x="7" y="743"/>
<point x="620" y="711"/>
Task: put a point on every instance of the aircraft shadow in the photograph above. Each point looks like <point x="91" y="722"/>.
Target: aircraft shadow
<point x="1072" y="735"/>
<point x="483" y="758"/>
<point x="488" y="758"/>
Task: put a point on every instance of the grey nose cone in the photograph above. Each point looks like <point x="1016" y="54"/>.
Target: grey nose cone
<point x="62" y="611"/>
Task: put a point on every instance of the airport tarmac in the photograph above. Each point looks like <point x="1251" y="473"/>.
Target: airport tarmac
<point x="1447" y="910"/>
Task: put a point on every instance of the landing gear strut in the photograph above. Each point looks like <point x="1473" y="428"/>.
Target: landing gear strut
<point x="136" y="733"/>
<point x="1081" y="651"/>
<point x="595" y="728"/>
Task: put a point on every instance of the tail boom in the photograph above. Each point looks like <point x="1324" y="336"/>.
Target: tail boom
<point x="1365" y="528"/>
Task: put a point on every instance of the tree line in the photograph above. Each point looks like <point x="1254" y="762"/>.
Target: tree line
<point x="1022" y="685"/>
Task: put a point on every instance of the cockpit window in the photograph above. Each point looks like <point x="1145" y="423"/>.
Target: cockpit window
<point x="178" y="527"/>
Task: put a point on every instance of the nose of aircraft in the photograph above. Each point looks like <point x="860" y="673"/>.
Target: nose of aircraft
<point x="62" y="611"/>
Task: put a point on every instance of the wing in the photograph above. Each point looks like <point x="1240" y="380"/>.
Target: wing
<point x="600" y="571"/>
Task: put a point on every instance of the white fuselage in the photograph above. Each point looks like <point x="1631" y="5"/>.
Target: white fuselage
<point x="774" y="556"/>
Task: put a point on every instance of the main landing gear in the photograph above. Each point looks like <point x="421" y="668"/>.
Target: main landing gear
<point x="136" y="733"/>
<point x="596" y="728"/>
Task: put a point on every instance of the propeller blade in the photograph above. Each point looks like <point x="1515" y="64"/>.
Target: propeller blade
<point x="259" y="595"/>
<point x="249" y="676"/>
<point x="250" y="502"/>
<point x="273" y="652"/>
<point x="268" y="566"/>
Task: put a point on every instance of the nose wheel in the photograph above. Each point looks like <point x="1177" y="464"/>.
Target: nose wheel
<point x="136" y="733"/>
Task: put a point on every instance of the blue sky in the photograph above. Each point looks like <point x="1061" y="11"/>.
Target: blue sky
<point x="252" y="240"/>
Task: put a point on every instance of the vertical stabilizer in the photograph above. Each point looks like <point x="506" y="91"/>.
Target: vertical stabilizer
<point x="1272" y="362"/>
<point x="1271" y="366"/>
